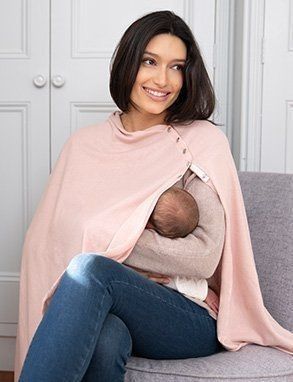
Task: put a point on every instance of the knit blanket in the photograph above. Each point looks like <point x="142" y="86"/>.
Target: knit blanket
<point x="98" y="199"/>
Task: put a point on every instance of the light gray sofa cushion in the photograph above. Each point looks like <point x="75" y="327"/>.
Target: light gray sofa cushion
<point x="268" y="199"/>
<point x="251" y="363"/>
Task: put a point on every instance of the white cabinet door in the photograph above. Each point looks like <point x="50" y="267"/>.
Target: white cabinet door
<point x="24" y="143"/>
<point x="277" y="113"/>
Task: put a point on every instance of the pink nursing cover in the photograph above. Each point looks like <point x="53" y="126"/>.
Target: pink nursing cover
<point x="99" y="198"/>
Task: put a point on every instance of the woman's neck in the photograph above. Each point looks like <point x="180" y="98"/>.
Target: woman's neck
<point x="135" y="121"/>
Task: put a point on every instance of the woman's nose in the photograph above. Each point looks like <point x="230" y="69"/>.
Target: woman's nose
<point x="161" y="78"/>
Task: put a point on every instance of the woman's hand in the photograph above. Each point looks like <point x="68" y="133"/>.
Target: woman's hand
<point x="212" y="300"/>
<point x="157" y="277"/>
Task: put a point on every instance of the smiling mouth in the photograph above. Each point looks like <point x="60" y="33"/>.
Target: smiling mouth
<point x="156" y="94"/>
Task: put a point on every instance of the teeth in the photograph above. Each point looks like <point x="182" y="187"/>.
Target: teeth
<point x="157" y="94"/>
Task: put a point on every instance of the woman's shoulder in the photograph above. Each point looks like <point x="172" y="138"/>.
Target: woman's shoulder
<point x="203" y="131"/>
<point x="84" y="137"/>
<point x="87" y="134"/>
<point x="202" y="126"/>
<point x="89" y="130"/>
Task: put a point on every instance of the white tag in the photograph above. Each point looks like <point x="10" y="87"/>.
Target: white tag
<point x="199" y="172"/>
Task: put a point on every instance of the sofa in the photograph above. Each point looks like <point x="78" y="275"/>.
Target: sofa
<point x="268" y="199"/>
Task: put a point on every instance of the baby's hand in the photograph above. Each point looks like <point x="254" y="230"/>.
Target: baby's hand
<point x="212" y="300"/>
<point x="157" y="277"/>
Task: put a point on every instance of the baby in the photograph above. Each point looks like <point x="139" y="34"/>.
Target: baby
<point x="176" y="215"/>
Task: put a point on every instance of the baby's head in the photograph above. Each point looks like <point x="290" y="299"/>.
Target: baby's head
<point x="175" y="214"/>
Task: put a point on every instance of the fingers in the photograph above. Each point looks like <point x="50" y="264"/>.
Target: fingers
<point x="156" y="277"/>
<point x="215" y="308"/>
<point x="160" y="280"/>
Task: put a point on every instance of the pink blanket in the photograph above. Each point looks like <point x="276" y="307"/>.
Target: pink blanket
<point x="98" y="199"/>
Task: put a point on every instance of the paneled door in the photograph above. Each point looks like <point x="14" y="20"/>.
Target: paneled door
<point x="24" y="143"/>
<point x="277" y="113"/>
<point x="54" y="74"/>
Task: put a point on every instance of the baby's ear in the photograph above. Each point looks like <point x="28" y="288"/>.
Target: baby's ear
<point x="149" y="225"/>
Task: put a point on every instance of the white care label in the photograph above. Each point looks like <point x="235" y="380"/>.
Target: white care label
<point x="199" y="172"/>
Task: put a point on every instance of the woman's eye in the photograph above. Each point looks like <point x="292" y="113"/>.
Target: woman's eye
<point x="148" y="61"/>
<point x="178" y="67"/>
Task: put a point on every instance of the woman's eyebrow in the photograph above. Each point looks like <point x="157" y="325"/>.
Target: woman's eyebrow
<point x="156" y="55"/>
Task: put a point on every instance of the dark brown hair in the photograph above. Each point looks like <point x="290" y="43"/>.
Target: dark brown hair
<point x="196" y="100"/>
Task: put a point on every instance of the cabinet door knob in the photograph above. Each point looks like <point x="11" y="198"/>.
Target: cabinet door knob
<point x="58" y="81"/>
<point x="40" y="81"/>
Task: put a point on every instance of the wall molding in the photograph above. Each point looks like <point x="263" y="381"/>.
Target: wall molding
<point x="22" y="51"/>
<point x="9" y="282"/>
<point x="79" y="52"/>
<point x="23" y="109"/>
<point x="188" y="11"/>
<point x="251" y="92"/>
<point x="289" y="137"/>
<point x="8" y="329"/>
<point x="290" y="37"/>
<point x="223" y="64"/>
<point x="77" y="108"/>
<point x="9" y="277"/>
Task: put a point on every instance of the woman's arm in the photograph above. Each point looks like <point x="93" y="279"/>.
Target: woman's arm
<point x="196" y="255"/>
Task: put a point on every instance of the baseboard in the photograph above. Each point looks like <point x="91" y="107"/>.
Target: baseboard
<point x="6" y="376"/>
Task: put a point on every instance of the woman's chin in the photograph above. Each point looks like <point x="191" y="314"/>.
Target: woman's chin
<point x="154" y="110"/>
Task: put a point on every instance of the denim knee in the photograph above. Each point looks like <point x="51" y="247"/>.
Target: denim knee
<point x="91" y="264"/>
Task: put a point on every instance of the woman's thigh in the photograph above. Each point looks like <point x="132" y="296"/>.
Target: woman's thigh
<point x="162" y="322"/>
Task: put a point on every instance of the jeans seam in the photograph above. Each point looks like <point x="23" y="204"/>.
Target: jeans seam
<point x="154" y="295"/>
<point x="92" y="339"/>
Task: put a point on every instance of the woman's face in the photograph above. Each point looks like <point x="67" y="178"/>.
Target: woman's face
<point x="160" y="76"/>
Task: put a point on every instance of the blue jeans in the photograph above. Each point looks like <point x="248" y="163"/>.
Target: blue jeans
<point x="102" y="313"/>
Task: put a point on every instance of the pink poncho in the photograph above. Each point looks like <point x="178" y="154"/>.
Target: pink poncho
<point x="99" y="197"/>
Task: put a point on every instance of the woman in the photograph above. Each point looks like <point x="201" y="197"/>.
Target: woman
<point x="97" y="311"/>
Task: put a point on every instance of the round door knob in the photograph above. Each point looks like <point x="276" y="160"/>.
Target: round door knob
<point x="58" y="81"/>
<point x="40" y="81"/>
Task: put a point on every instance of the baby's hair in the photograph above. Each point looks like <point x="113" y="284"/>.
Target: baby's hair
<point x="177" y="206"/>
